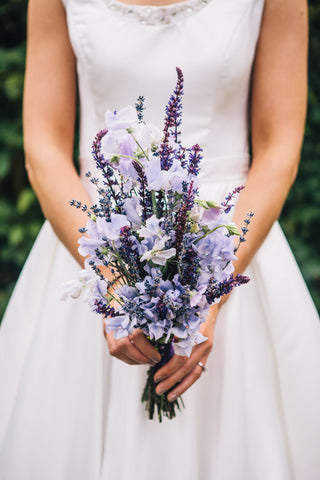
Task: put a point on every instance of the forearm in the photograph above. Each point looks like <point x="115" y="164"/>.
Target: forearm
<point x="267" y="187"/>
<point x="56" y="182"/>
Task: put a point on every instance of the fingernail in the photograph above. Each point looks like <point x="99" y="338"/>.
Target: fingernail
<point x="172" y="397"/>
<point x="158" y="379"/>
<point x="161" y="391"/>
<point x="156" y="359"/>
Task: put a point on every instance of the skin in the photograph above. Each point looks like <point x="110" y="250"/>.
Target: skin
<point x="278" y="110"/>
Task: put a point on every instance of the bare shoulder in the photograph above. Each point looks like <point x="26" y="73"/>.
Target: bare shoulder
<point x="279" y="88"/>
<point x="47" y="19"/>
<point x="286" y="14"/>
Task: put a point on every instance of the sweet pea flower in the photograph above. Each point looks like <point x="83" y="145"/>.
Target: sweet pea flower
<point x="118" y="325"/>
<point x="184" y="347"/>
<point x="152" y="228"/>
<point x="111" y="230"/>
<point x="122" y="120"/>
<point x="148" y="135"/>
<point x="157" y="179"/>
<point x="133" y="211"/>
<point x="158" y="255"/>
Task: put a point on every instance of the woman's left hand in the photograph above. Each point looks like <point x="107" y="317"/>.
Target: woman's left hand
<point x="184" y="371"/>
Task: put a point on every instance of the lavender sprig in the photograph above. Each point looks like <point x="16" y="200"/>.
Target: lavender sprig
<point x="172" y="122"/>
<point x="103" y="165"/>
<point x="182" y="216"/>
<point x="144" y="193"/>
<point x="140" y="107"/>
<point x="244" y="230"/>
<point x="194" y="160"/>
<point x="216" y="290"/>
<point x="226" y="204"/>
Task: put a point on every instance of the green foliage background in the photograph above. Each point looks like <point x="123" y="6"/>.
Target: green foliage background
<point x="21" y="217"/>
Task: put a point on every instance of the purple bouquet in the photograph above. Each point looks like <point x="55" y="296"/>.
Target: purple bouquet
<point x="169" y="254"/>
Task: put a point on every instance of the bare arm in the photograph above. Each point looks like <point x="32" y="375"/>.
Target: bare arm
<point x="48" y="117"/>
<point x="278" y="110"/>
<point x="49" y="114"/>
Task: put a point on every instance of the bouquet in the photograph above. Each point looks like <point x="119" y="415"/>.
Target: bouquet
<point x="169" y="253"/>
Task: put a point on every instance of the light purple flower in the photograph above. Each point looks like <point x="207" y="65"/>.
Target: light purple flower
<point x="196" y="296"/>
<point x="90" y="243"/>
<point x="126" y="292"/>
<point x="157" y="179"/>
<point x="133" y="211"/>
<point x="147" y="135"/>
<point x="158" y="254"/>
<point x="111" y="230"/>
<point x="88" y="246"/>
<point x="119" y="325"/>
<point x="125" y="118"/>
<point x="184" y="347"/>
<point x="152" y="228"/>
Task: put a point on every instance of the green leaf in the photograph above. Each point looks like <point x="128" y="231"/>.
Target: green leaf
<point x="26" y="199"/>
<point x="13" y="85"/>
<point x="4" y="163"/>
<point x="16" y="235"/>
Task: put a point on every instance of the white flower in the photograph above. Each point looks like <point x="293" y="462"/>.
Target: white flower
<point x="147" y="135"/>
<point x="196" y="212"/>
<point x="152" y="228"/>
<point x="157" y="254"/>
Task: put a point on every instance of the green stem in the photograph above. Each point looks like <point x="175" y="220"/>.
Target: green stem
<point x="142" y="150"/>
<point x="133" y="158"/>
<point x="210" y="231"/>
<point x="154" y="202"/>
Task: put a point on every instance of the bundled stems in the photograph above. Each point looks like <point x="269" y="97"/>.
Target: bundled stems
<point x="150" y="398"/>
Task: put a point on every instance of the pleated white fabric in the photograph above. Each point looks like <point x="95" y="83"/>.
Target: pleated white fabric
<point x="71" y="412"/>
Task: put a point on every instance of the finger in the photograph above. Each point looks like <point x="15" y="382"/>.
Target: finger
<point x="124" y="358"/>
<point x="146" y="348"/>
<point x="186" y="383"/>
<point x="126" y="351"/>
<point x="199" y="353"/>
<point x="174" y="364"/>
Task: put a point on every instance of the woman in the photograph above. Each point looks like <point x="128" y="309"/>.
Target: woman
<point x="69" y="409"/>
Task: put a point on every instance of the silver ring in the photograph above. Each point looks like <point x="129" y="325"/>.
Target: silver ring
<point x="202" y="366"/>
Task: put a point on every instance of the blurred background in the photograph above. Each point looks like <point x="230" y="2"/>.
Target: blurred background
<point x="20" y="214"/>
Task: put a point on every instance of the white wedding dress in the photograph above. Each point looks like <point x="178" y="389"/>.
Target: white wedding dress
<point x="68" y="410"/>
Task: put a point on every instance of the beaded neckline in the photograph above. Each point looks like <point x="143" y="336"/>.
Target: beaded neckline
<point x="156" y="14"/>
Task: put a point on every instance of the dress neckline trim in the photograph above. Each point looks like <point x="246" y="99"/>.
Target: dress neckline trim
<point x="157" y="14"/>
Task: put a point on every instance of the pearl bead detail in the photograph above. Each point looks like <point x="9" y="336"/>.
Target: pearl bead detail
<point x="156" y="15"/>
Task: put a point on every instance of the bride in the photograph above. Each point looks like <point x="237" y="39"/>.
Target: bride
<point x="69" y="409"/>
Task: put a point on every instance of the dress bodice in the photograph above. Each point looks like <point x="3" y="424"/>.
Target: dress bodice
<point x="124" y="51"/>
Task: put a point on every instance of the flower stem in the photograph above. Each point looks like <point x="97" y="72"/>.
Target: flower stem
<point x="149" y="395"/>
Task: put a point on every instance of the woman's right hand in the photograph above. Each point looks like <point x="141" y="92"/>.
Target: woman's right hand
<point x="134" y="349"/>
